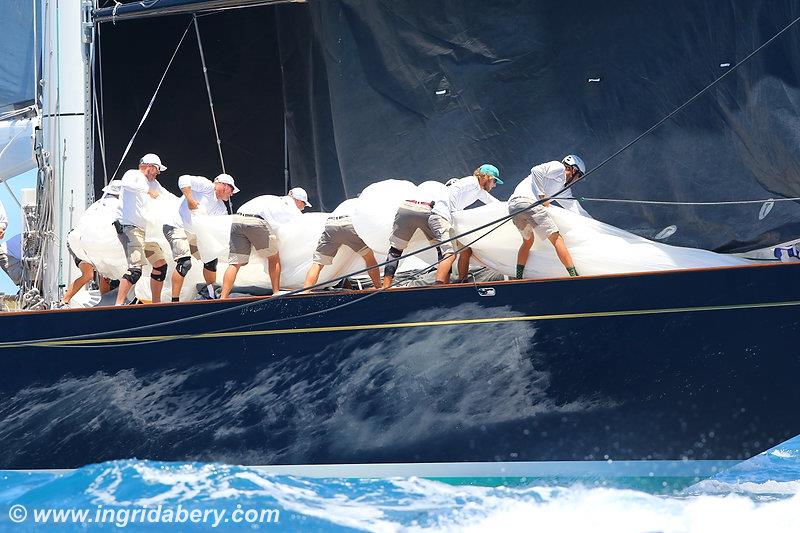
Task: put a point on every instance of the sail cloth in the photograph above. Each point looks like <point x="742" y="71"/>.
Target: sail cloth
<point x="425" y="90"/>
<point x="16" y="147"/>
<point x="596" y="247"/>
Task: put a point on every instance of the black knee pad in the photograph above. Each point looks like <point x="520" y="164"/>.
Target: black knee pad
<point x="182" y="266"/>
<point x="159" y="273"/>
<point x="133" y="274"/>
<point x="211" y="266"/>
<point x="394" y="257"/>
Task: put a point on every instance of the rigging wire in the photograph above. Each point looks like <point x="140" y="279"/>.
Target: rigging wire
<point x="496" y="223"/>
<point x="152" y="100"/>
<point x="208" y="90"/>
<point x="98" y="102"/>
<point x="667" y="202"/>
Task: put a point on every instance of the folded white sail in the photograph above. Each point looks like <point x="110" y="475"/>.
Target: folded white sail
<point x="596" y="247"/>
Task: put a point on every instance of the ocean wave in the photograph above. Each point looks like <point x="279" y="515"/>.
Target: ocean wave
<point x="406" y="504"/>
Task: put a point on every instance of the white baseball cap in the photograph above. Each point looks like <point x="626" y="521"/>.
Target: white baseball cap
<point x="227" y="179"/>
<point x="152" y="159"/>
<point x="113" y="187"/>
<point x="298" y="193"/>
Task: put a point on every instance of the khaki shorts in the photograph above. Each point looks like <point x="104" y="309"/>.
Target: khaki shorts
<point x="339" y="231"/>
<point x="183" y="244"/>
<point x="526" y="221"/>
<point x="250" y="232"/>
<point x="136" y="250"/>
<point x="411" y="217"/>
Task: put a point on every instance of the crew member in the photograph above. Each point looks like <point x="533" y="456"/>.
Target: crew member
<point x="109" y="205"/>
<point x="339" y="231"/>
<point x="137" y="185"/>
<point x="433" y="216"/>
<point x="544" y="180"/>
<point x="200" y="196"/>
<point x="10" y="251"/>
<point x="254" y="226"/>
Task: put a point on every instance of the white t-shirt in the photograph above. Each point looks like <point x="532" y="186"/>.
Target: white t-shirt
<point x="203" y="192"/>
<point x="3" y="217"/>
<point x="107" y="205"/>
<point x="460" y="195"/>
<point x="275" y="210"/>
<point x="346" y="208"/>
<point x="134" y="195"/>
<point x="546" y="180"/>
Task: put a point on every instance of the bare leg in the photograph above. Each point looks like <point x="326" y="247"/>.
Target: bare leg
<point x="87" y="273"/>
<point x="444" y="268"/>
<point x="522" y="255"/>
<point x="177" y="284"/>
<point x="210" y="276"/>
<point x="105" y="284"/>
<point x="122" y="292"/>
<point x="156" y="286"/>
<point x="227" y="281"/>
<point x="372" y="265"/>
<point x="561" y="250"/>
<point x="274" y="267"/>
<point x="463" y="263"/>
<point x="313" y="275"/>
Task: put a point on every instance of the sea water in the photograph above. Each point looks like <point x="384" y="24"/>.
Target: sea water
<point x="761" y="494"/>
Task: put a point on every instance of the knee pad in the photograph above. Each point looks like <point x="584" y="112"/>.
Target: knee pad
<point x="159" y="273"/>
<point x="133" y="274"/>
<point x="182" y="266"/>
<point x="211" y="266"/>
<point x="394" y="257"/>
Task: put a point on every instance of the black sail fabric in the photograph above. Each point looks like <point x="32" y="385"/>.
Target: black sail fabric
<point x="376" y="89"/>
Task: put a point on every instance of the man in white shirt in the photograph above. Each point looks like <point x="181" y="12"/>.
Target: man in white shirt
<point x="339" y="231"/>
<point x="254" y="226"/>
<point x="109" y="204"/>
<point x="137" y="185"/>
<point x="433" y="216"/>
<point x="544" y="181"/>
<point x="200" y="196"/>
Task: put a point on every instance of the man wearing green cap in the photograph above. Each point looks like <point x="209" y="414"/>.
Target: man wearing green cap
<point x="433" y="216"/>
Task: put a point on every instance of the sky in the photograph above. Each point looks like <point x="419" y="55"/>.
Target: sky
<point x="27" y="180"/>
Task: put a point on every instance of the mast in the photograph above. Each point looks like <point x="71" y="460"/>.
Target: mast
<point x="65" y="186"/>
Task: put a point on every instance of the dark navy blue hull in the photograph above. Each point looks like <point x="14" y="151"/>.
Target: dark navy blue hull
<point x="693" y="364"/>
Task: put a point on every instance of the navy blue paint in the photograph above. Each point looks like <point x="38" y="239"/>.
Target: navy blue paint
<point x="702" y="385"/>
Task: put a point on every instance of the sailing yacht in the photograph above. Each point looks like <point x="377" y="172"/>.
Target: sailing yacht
<point x="686" y="369"/>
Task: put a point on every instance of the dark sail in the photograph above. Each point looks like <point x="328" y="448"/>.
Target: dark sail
<point x="376" y="89"/>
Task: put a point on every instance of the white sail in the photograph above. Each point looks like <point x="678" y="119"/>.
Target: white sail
<point x="16" y="147"/>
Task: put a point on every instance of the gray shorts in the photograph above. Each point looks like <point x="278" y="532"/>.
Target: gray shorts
<point x="339" y="231"/>
<point x="411" y="217"/>
<point x="250" y="232"/>
<point x="526" y="221"/>
<point x="183" y="244"/>
<point x="137" y="251"/>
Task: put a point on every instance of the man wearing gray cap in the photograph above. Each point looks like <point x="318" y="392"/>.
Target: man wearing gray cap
<point x="137" y="185"/>
<point x="200" y="196"/>
<point x="254" y="226"/>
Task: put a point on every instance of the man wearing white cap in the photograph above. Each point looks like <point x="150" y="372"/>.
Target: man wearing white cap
<point x="432" y="214"/>
<point x="544" y="181"/>
<point x="137" y="185"/>
<point x="7" y="262"/>
<point x="108" y="205"/>
<point x="200" y="196"/>
<point x="339" y="231"/>
<point x="254" y="226"/>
